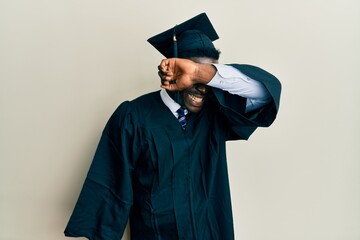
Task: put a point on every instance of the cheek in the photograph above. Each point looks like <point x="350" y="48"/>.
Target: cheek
<point x="186" y="100"/>
<point x="185" y="96"/>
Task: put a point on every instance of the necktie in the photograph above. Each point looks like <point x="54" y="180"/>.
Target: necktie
<point x="181" y="117"/>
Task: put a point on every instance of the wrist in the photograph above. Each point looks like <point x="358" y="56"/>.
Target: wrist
<point x="204" y="72"/>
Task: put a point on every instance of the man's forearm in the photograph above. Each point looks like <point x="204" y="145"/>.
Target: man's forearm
<point x="204" y="73"/>
<point x="233" y="81"/>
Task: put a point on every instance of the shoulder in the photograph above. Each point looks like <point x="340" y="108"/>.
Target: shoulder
<point x="139" y="107"/>
<point x="140" y="101"/>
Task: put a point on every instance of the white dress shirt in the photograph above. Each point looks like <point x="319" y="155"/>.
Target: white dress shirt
<point x="228" y="78"/>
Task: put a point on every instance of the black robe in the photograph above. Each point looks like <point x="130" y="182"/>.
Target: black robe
<point x="172" y="183"/>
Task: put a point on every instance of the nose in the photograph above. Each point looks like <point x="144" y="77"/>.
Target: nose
<point x="203" y="89"/>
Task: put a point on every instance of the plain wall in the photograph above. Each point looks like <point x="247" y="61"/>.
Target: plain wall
<point x="66" y="65"/>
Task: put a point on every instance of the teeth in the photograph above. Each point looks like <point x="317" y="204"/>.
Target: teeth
<point x="195" y="99"/>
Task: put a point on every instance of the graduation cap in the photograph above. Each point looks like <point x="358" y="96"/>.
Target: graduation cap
<point x="194" y="35"/>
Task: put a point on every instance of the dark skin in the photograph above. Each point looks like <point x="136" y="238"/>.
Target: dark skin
<point x="189" y="77"/>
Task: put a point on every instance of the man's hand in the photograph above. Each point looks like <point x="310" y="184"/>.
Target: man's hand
<point x="178" y="74"/>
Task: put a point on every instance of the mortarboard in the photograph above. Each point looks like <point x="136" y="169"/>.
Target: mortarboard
<point x="194" y="34"/>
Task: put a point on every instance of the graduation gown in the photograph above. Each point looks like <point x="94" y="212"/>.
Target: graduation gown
<point x="172" y="183"/>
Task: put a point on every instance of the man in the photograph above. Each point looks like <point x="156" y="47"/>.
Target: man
<point x="161" y="161"/>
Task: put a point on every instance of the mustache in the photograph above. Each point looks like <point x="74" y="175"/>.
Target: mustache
<point x="195" y="91"/>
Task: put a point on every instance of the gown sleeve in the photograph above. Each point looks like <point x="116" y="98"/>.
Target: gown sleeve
<point x="232" y="107"/>
<point x="103" y="206"/>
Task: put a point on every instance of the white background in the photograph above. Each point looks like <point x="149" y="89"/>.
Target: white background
<point x="66" y="65"/>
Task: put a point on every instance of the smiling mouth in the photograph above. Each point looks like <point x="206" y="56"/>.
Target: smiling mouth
<point x="196" y="99"/>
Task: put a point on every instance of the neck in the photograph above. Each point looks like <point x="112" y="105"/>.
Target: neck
<point x="176" y="96"/>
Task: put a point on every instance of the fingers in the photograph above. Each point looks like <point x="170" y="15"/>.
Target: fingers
<point x="170" y="87"/>
<point x="165" y="77"/>
<point x="165" y="73"/>
<point x="165" y="65"/>
<point x="168" y="83"/>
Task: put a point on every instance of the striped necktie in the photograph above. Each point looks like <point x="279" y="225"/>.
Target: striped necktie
<point x="182" y="116"/>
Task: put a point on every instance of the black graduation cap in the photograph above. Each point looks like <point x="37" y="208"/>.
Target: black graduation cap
<point x="191" y="35"/>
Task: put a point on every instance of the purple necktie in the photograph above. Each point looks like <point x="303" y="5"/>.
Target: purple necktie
<point x="181" y="117"/>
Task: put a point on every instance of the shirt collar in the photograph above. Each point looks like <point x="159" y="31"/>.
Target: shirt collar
<point x="169" y="102"/>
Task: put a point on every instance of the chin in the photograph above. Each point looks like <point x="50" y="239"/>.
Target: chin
<point x="193" y="102"/>
<point x="193" y="109"/>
